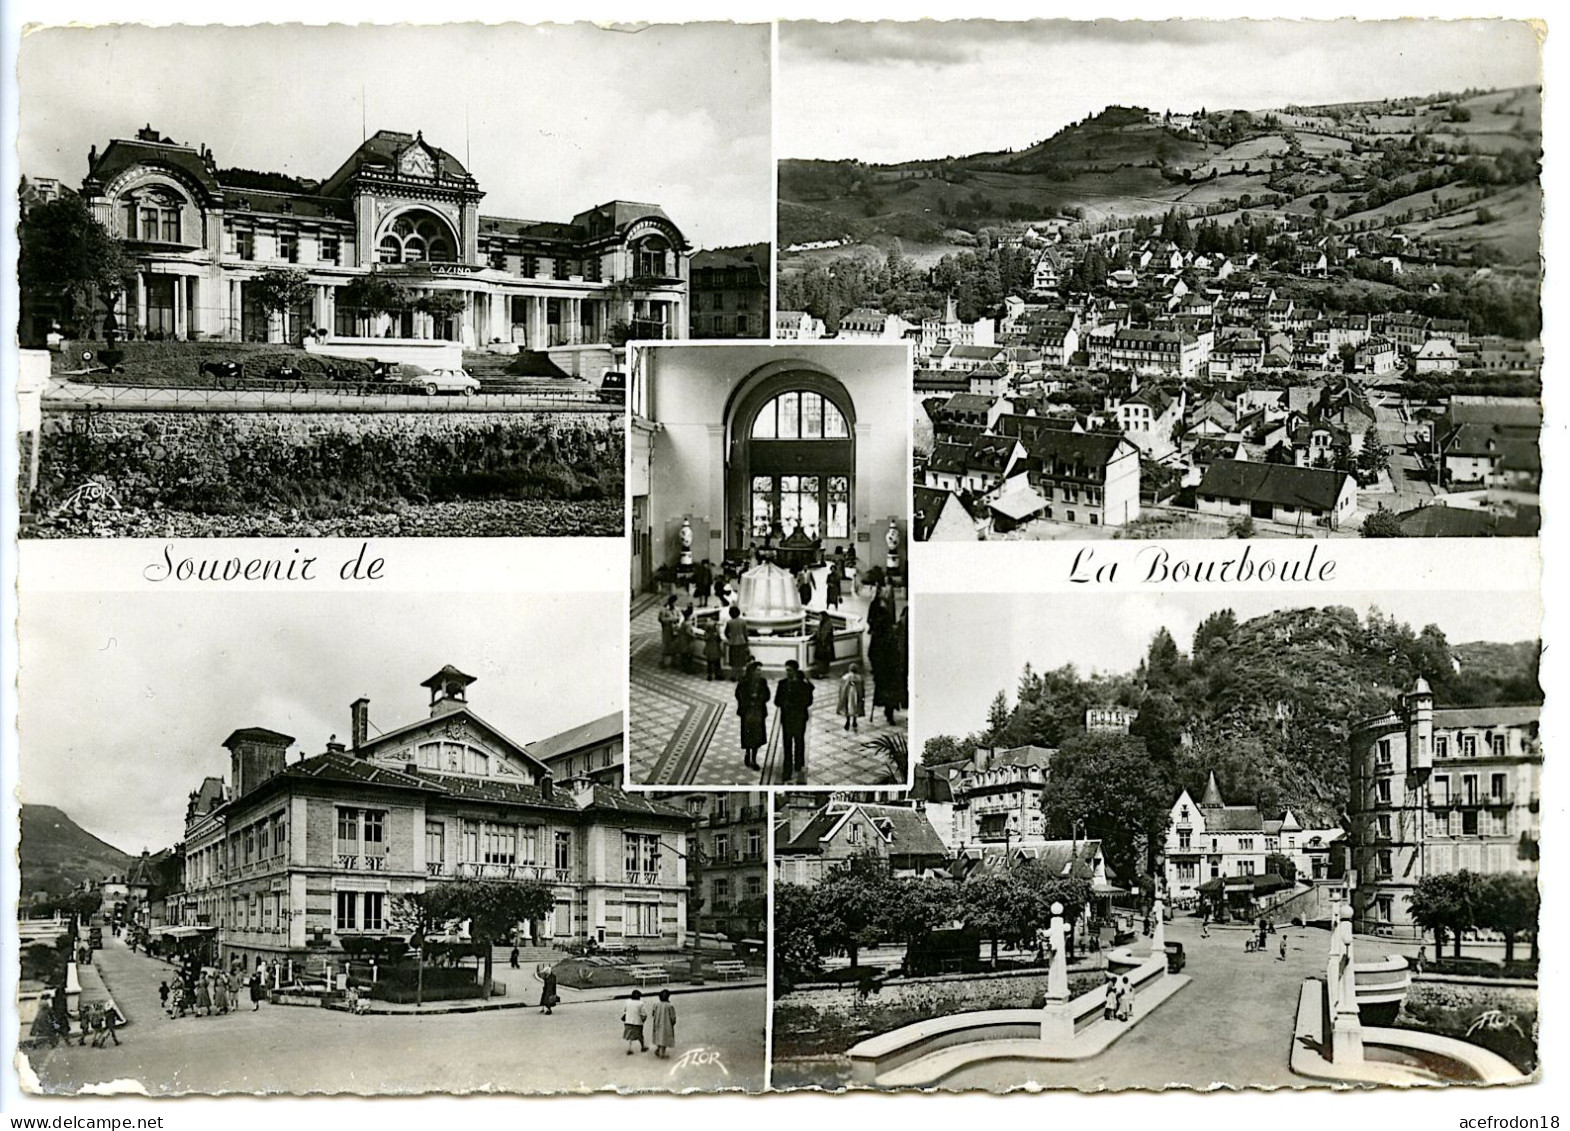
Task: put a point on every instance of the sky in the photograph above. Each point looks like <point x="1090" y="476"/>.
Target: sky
<point x="974" y="645"/>
<point x="903" y="91"/>
<point x="124" y="699"/>
<point x="560" y="118"/>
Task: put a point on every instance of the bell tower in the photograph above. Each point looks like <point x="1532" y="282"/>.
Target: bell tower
<point x="449" y="691"/>
<point x="1418" y="708"/>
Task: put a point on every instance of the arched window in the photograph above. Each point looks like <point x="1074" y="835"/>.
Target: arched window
<point x="651" y="258"/>
<point x="801" y="464"/>
<point x="416" y="237"/>
<point x="800" y="416"/>
<point x="453" y="758"/>
<point x="152" y="216"/>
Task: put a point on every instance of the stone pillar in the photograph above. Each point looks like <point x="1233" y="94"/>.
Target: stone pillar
<point x="1346" y="1037"/>
<point x="141" y="303"/>
<point x="181" y="317"/>
<point x="500" y="319"/>
<point x="1057" y="1015"/>
<point x="575" y="320"/>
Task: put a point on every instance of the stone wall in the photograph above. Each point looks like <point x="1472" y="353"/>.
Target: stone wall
<point x="933" y="997"/>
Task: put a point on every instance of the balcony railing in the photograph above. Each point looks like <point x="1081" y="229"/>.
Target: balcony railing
<point x="647" y="878"/>
<point x="479" y="870"/>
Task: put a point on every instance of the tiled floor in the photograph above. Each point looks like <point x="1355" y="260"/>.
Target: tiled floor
<point x="683" y="729"/>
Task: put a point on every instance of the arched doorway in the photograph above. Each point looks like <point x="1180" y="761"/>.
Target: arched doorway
<point x="790" y="460"/>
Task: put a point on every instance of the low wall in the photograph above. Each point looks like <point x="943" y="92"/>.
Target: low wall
<point x="940" y="994"/>
<point x="425" y="354"/>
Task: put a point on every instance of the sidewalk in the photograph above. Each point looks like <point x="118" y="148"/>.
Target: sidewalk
<point x="531" y="1000"/>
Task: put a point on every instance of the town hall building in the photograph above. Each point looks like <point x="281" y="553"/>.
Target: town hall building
<point x="287" y="859"/>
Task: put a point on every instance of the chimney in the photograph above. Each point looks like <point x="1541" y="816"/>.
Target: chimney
<point x="547" y="786"/>
<point x="333" y="745"/>
<point x="359" y="723"/>
<point x="255" y="754"/>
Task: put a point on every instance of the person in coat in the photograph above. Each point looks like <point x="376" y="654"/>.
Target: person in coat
<point x="834" y="587"/>
<point x="204" y="996"/>
<point x="633" y="1015"/>
<point x="853" y="693"/>
<point x="662" y="1024"/>
<point x="823" y="646"/>
<point x="736" y="643"/>
<point x="256" y="990"/>
<point x="713" y="649"/>
<point x="1125" y="999"/>
<point x="804" y="586"/>
<point x="752" y="706"/>
<point x="793" y="697"/>
<point x="702" y="582"/>
<point x="670" y="636"/>
<point x="548" y="995"/>
<point x="880" y="653"/>
<point x="1109" y="1005"/>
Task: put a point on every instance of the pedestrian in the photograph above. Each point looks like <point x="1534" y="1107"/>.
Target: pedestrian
<point x="804" y="586"/>
<point x="703" y="582"/>
<point x="752" y="707"/>
<point x="632" y="1017"/>
<point x="1125" y="999"/>
<point x="662" y="1024"/>
<point x="108" y="1027"/>
<point x="690" y="646"/>
<point x="823" y="646"/>
<point x="1109" y="1004"/>
<point x="670" y="623"/>
<point x="232" y="991"/>
<point x="793" y="698"/>
<point x="549" y="998"/>
<point x="163" y="995"/>
<point x="713" y="650"/>
<point x="86" y="1019"/>
<point x="1204" y="927"/>
<point x="853" y="693"/>
<point x="736" y="642"/>
<point x="512" y="959"/>
<point x="880" y="652"/>
<point x="1282" y="957"/>
<point x="835" y="585"/>
<point x="204" y="998"/>
<point x="257" y="989"/>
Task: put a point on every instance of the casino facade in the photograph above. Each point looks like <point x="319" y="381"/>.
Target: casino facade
<point x="200" y="235"/>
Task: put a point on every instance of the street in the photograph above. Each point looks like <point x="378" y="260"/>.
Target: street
<point x="302" y="1049"/>
<point x="1232" y="1026"/>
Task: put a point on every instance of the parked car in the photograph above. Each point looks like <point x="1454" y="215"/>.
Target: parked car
<point x="448" y="381"/>
<point x="1176" y="959"/>
<point x="613" y="387"/>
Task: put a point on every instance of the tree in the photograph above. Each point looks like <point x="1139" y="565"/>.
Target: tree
<point x="278" y="289"/>
<point x="945" y="748"/>
<point x="795" y="945"/>
<point x="1445" y="902"/>
<point x="1240" y="527"/>
<point x="992" y="904"/>
<point x="1375" y="456"/>
<point x="997" y="718"/>
<point x="849" y="905"/>
<point x="1382" y="524"/>
<point x="65" y="258"/>
<point x="1108" y="784"/>
<point x="375" y="294"/>
<point x="1509" y="903"/>
<point x="916" y="906"/>
<point x="1348" y="355"/>
<point x="492" y="908"/>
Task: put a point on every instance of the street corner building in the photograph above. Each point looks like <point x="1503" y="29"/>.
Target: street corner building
<point x="287" y="859"/>
<point x="400" y="207"/>
<point x="1438" y="790"/>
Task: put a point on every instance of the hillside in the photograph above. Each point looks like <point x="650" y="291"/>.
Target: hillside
<point x="58" y="854"/>
<point x="1428" y="162"/>
<point x="1268" y="703"/>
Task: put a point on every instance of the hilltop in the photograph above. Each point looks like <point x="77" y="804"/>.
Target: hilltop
<point x="57" y="854"/>
<point x="1267" y="703"/>
<point x="1456" y="169"/>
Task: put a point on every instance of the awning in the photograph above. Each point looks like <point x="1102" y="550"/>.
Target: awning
<point x="182" y="932"/>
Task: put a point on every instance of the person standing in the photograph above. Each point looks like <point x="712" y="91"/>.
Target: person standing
<point x="1281" y="956"/>
<point x="548" y="995"/>
<point x="853" y="693"/>
<point x="793" y="697"/>
<point x="752" y="705"/>
<point x="204" y="997"/>
<point x="108" y="1027"/>
<point x="823" y="646"/>
<point x="662" y="1024"/>
<point x="713" y="650"/>
<point x="257" y="988"/>
<point x="880" y="653"/>
<point x="670" y="623"/>
<point x="1109" y="1004"/>
<point x="736" y="643"/>
<point x="512" y="958"/>
<point x="834" y="587"/>
<point x="163" y="994"/>
<point x="703" y="582"/>
<point x="232" y="988"/>
<point x="804" y="586"/>
<point x="1125" y="999"/>
<point x="633" y="1016"/>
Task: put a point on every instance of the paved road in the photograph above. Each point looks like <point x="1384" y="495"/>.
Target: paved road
<point x="1231" y="1026"/>
<point x="298" y="1049"/>
<point x="574" y="396"/>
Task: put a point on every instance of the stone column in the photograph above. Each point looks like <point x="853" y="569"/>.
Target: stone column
<point x="1057" y="1015"/>
<point x="575" y="320"/>
<point x="180" y="316"/>
<point x="141" y="303"/>
<point x="1346" y="1037"/>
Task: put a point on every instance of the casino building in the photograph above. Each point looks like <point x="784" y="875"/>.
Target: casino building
<point x="398" y="206"/>
<point x="290" y="857"/>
